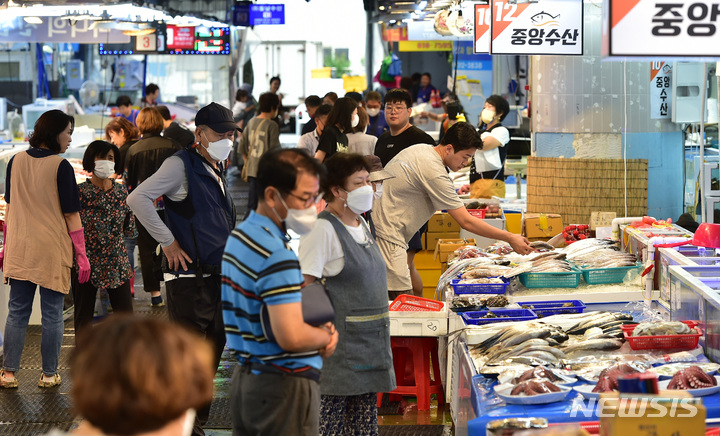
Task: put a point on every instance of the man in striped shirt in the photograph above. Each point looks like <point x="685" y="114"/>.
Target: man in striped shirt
<point x="275" y="385"/>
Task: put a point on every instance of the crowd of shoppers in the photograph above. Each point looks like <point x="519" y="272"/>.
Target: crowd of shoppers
<point x="362" y="163"/>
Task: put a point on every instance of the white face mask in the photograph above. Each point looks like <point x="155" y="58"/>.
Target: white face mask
<point x="360" y="200"/>
<point x="378" y="191"/>
<point x="104" y="168"/>
<point x="189" y="422"/>
<point x="355" y="120"/>
<point x="300" y="221"/>
<point x="373" y="112"/>
<point x="218" y="150"/>
<point x="487" y="116"/>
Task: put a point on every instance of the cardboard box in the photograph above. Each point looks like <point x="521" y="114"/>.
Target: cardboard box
<point x="481" y="241"/>
<point x="430" y="277"/>
<point x="425" y="259"/>
<point x="429" y="292"/>
<point x="670" y="413"/>
<point x="432" y="238"/>
<point x="445" y="247"/>
<point x="601" y="219"/>
<point x="513" y="222"/>
<point x="540" y="225"/>
<point x="443" y="267"/>
<point x="443" y="222"/>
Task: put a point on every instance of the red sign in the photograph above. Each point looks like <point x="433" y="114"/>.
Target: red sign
<point x="394" y="34"/>
<point x="483" y="18"/>
<point x="180" y="37"/>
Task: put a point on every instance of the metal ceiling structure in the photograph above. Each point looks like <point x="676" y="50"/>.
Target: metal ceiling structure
<point x="391" y="11"/>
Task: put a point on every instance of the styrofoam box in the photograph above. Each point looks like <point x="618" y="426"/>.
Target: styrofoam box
<point x="419" y="323"/>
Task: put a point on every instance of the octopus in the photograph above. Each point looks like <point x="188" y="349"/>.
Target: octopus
<point x="692" y="378"/>
<point x="534" y="387"/>
<point x="539" y="372"/>
<point x="608" y="377"/>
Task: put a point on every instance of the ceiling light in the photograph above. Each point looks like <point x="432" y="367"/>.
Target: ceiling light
<point x="33" y="20"/>
<point x="138" y="32"/>
<point x="382" y="8"/>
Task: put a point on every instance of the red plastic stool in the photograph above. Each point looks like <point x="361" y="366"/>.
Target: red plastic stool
<point x="421" y="351"/>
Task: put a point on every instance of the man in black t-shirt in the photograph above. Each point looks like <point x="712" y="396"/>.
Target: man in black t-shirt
<point x="402" y="134"/>
<point x="181" y="134"/>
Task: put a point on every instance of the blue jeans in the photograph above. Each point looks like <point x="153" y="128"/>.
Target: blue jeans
<point x="22" y="294"/>
<point x="130" y="244"/>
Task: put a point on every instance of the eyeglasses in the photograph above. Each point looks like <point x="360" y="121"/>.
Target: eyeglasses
<point x="397" y="108"/>
<point x="307" y="202"/>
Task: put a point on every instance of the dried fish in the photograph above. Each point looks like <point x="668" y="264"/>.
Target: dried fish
<point x="662" y="329"/>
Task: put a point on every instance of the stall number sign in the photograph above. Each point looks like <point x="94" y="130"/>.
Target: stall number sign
<point x="660" y="90"/>
<point x="663" y="28"/>
<point x="549" y="27"/>
<point x="483" y="17"/>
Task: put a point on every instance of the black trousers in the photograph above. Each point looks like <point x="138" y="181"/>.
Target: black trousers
<point x="148" y="261"/>
<point x="198" y="306"/>
<point x="252" y="196"/>
<point x="85" y="294"/>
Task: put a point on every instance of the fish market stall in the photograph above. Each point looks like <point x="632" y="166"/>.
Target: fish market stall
<point x="539" y="335"/>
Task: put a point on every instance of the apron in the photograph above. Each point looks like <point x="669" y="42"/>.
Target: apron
<point x="362" y="362"/>
<point x="481" y="185"/>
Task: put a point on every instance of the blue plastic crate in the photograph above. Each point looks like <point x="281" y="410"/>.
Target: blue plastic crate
<point x="547" y="308"/>
<point x="480" y="288"/>
<point x="569" y="279"/>
<point x="603" y="276"/>
<point x="476" y="318"/>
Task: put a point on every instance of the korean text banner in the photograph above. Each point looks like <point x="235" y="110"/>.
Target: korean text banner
<point x="662" y="28"/>
<point x="58" y="29"/>
<point x="549" y="27"/>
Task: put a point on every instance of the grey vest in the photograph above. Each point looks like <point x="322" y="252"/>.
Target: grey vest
<point x="362" y="362"/>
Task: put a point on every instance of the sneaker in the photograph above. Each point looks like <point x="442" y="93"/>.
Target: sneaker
<point x="49" y="384"/>
<point x="7" y="383"/>
<point x="157" y="301"/>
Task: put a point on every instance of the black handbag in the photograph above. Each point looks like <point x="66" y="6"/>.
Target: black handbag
<point x="317" y="308"/>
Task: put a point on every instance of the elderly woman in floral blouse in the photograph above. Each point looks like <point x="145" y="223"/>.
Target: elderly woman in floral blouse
<point x="108" y="221"/>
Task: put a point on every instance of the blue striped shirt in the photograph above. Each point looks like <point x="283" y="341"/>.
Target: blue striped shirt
<point x="260" y="267"/>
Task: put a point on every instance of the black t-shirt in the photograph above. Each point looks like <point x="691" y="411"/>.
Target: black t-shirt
<point x="181" y="134"/>
<point x="333" y="141"/>
<point x="66" y="184"/>
<point x="388" y="146"/>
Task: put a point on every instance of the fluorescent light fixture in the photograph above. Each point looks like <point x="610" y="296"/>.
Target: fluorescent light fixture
<point x="138" y="32"/>
<point x="33" y="20"/>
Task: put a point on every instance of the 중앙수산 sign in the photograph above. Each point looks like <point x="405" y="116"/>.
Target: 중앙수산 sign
<point x="646" y="28"/>
<point x="548" y="27"/>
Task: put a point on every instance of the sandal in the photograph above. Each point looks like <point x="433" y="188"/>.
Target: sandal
<point x="56" y="380"/>
<point x="7" y="383"/>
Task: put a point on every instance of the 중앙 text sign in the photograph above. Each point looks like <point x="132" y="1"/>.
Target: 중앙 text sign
<point x="548" y="27"/>
<point x="684" y="28"/>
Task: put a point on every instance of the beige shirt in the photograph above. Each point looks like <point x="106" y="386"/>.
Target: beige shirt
<point x="421" y="186"/>
<point x="38" y="248"/>
<point x="259" y="136"/>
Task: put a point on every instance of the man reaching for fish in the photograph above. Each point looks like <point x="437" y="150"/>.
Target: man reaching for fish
<point x="421" y="186"/>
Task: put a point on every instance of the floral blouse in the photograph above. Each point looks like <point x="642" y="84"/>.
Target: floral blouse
<point x="107" y="220"/>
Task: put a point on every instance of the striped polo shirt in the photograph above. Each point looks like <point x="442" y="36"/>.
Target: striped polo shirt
<point x="260" y="267"/>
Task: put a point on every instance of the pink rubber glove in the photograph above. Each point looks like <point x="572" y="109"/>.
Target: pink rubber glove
<point x="78" y="240"/>
<point x="2" y="250"/>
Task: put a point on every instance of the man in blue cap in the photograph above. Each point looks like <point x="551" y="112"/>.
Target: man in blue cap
<point x="199" y="216"/>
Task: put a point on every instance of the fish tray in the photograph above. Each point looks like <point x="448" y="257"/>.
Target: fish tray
<point x="476" y="318"/>
<point x="547" y="308"/>
<point x="551" y="279"/>
<point x="410" y="303"/>
<point x="603" y="276"/>
<point x="480" y="288"/>
<point x="660" y="342"/>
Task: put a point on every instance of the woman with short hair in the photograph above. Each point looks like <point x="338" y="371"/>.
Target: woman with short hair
<point x="108" y="220"/>
<point x="340" y="122"/>
<point x="123" y="134"/>
<point x="341" y="250"/>
<point x="42" y="227"/>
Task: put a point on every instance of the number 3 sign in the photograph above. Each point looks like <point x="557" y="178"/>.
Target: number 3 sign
<point x="146" y="43"/>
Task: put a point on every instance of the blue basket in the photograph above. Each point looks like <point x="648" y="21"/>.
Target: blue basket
<point x="480" y="288"/>
<point x="551" y="279"/>
<point x="476" y="318"/>
<point x="603" y="276"/>
<point x="547" y="308"/>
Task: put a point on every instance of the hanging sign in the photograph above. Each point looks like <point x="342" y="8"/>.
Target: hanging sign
<point x="425" y="45"/>
<point x="684" y="28"/>
<point x="660" y="90"/>
<point x="57" y="29"/>
<point x="394" y="34"/>
<point x="483" y="17"/>
<point x="425" y="31"/>
<point x="549" y="27"/>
